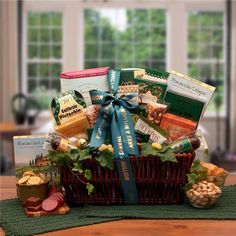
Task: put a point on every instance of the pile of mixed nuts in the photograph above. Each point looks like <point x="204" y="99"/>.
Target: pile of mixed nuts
<point x="203" y="194"/>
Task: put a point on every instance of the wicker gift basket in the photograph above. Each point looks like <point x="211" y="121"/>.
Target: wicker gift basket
<point x="157" y="182"/>
<point x="149" y="145"/>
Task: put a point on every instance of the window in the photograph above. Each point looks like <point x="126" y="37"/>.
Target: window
<point x="185" y="36"/>
<point x="125" y="38"/>
<point x="206" y="60"/>
<point x="44" y="55"/>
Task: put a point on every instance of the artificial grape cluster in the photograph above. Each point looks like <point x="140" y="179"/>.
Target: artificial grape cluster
<point x="104" y="147"/>
<point x="94" y="151"/>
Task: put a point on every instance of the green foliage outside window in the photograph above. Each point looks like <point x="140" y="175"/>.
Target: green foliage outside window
<point x="206" y="52"/>
<point x="44" y="54"/>
<point x="142" y="42"/>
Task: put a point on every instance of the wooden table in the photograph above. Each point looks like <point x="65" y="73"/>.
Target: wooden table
<point x="138" y="227"/>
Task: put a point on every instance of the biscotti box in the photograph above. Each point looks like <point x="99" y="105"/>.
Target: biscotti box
<point x="85" y="80"/>
<point x="126" y="153"/>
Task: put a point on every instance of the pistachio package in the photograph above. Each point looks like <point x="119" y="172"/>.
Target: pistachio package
<point x="67" y="107"/>
<point x="144" y="126"/>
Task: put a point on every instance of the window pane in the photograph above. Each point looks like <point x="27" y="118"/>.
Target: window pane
<point x="127" y="37"/>
<point x="44" y="51"/>
<point x="44" y="83"/>
<point x="33" y="19"/>
<point x="33" y="36"/>
<point x="45" y="19"/>
<point x="56" y="19"/>
<point x="56" y="52"/>
<point x="158" y="51"/>
<point x="45" y="35"/>
<point x="56" y="70"/>
<point x="91" y="64"/>
<point x="206" y="50"/>
<point x="56" y="85"/>
<point x="56" y="35"/>
<point x="32" y="51"/>
<point x="108" y="50"/>
<point x="32" y="85"/>
<point x="32" y="70"/>
<point x="44" y="70"/>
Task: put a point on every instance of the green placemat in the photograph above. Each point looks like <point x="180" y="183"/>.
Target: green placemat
<point x="224" y="209"/>
<point x="15" y="222"/>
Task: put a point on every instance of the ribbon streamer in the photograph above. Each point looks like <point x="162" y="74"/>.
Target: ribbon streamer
<point x="115" y="116"/>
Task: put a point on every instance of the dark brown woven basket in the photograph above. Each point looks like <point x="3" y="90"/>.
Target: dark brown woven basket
<point x="157" y="182"/>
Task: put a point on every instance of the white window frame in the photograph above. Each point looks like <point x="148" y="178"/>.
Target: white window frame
<point x="73" y="52"/>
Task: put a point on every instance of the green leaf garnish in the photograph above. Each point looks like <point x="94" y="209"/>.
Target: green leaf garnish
<point x="78" y="167"/>
<point x="165" y="153"/>
<point x="90" y="188"/>
<point x="197" y="173"/>
<point x="106" y="159"/>
<point x="73" y="154"/>
<point x="84" y="154"/>
<point x="147" y="149"/>
<point x="88" y="174"/>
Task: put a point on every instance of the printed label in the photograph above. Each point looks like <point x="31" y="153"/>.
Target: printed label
<point x="155" y="136"/>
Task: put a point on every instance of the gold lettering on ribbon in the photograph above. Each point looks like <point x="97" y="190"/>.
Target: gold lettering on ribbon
<point x="125" y="170"/>
<point x="120" y="146"/>
<point x="127" y="130"/>
<point x="103" y="122"/>
<point x="97" y="97"/>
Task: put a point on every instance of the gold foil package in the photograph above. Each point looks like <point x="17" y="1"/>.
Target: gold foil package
<point x="91" y="113"/>
<point x="155" y="112"/>
<point x="60" y="143"/>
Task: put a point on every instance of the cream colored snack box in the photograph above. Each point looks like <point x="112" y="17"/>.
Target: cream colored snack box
<point x="188" y="87"/>
<point x="85" y="80"/>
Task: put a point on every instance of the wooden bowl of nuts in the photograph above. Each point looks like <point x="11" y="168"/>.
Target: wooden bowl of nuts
<point x="203" y="194"/>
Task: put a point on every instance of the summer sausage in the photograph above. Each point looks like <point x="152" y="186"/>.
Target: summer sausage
<point x="32" y="201"/>
<point x="50" y="204"/>
<point x="34" y="208"/>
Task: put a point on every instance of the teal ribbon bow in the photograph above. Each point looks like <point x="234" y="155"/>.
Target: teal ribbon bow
<point x="115" y="116"/>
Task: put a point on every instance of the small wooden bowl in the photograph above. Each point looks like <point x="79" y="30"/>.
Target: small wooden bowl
<point x="25" y="191"/>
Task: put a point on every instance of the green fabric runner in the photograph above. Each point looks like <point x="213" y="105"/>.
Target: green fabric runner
<point x="15" y="222"/>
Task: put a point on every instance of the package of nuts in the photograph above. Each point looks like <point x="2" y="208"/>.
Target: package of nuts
<point x="91" y="113"/>
<point x="203" y="194"/>
<point x="155" y="112"/>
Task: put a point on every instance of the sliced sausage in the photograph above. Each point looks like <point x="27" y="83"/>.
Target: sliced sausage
<point x="50" y="204"/>
<point x="32" y="201"/>
<point x="59" y="198"/>
<point x="53" y="190"/>
<point x="34" y="208"/>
